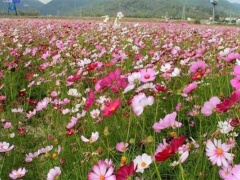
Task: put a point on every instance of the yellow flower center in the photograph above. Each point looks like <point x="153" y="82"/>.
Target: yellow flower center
<point x="102" y="177"/>
<point x="112" y="108"/>
<point x="219" y="151"/>
<point x="143" y="164"/>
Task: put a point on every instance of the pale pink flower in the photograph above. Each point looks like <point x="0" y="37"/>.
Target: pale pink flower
<point x="101" y="171"/>
<point x="148" y="75"/>
<point x="31" y="113"/>
<point x="168" y="121"/>
<point x="197" y="66"/>
<point x="184" y="152"/>
<point x="218" y="153"/>
<point x="94" y="137"/>
<point x="7" y="125"/>
<point x="190" y="88"/>
<point x="140" y="101"/>
<point x="234" y="174"/>
<point x="5" y="147"/>
<point x="122" y="146"/>
<point x="45" y="150"/>
<point x="17" y="174"/>
<point x="54" y="173"/>
<point x="209" y="106"/>
<point x="224" y="172"/>
<point x="95" y="113"/>
<point x="42" y="104"/>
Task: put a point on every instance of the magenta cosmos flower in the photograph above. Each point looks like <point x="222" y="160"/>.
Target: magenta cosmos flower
<point x="54" y="173"/>
<point x="126" y="172"/>
<point x="17" y="174"/>
<point x="234" y="174"/>
<point x="113" y="81"/>
<point x="89" y="100"/>
<point x="111" y="107"/>
<point x="148" y="75"/>
<point x="209" y="106"/>
<point x="190" y="88"/>
<point x="168" y="121"/>
<point x="101" y="171"/>
<point x="218" y="153"/>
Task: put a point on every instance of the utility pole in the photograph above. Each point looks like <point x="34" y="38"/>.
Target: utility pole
<point x="214" y="3"/>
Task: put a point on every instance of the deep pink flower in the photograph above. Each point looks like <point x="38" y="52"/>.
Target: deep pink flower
<point x="226" y="104"/>
<point x="126" y="171"/>
<point x="218" y="153"/>
<point x="114" y="81"/>
<point x="101" y="171"/>
<point x="236" y="70"/>
<point x="148" y="75"/>
<point x="169" y="150"/>
<point x="190" y="88"/>
<point x="210" y="106"/>
<point x="89" y="100"/>
<point x="111" y="107"/>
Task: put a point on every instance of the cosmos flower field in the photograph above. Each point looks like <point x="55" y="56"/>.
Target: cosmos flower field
<point x="106" y="100"/>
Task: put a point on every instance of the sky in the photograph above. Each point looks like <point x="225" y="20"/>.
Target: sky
<point x="46" y="1"/>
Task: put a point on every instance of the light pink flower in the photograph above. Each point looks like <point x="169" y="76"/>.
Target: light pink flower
<point x="235" y="82"/>
<point x="197" y="66"/>
<point x="224" y="172"/>
<point x="7" y="125"/>
<point x="140" y="101"/>
<point x="168" y="121"/>
<point x="218" y="153"/>
<point x="209" y="106"/>
<point x="101" y="171"/>
<point x="234" y="173"/>
<point x="17" y="174"/>
<point x="236" y="71"/>
<point x="148" y="75"/>
<point x="54" y="173"/>
<point x="94" y="137"/>
<point x="190" y="88"/>
<point x="122" y="146"/>
<point x="5" y="147"/>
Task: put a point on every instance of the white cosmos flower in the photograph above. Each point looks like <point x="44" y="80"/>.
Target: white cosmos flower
<point x="73" y="92"/>
<point x="94" y="137"/>
<point x="175" y="72"/>
<point x="165" y="67"/>
<point x="142" y="162"/>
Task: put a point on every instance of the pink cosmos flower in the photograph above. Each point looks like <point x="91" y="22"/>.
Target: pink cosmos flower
<point x="17" y="174"/>
<point x="235" y="82"/>
<point x="113" y="81"/>
<point x="140" y="101"/>
<point x="89" y="100"/>
<point x="236" y="70"/>
<point x="190" y="88"/>
<point x="224" y="172"/>
<point x="218" y="153"/>
<point x="7" y="125"/>
<point x="94" y="137"/>
<point x="54" y="173"/>
<point x="198" y="66"/>
<point x="122" y="146"/>
<point x="209" y="106"/>
<point x="111" y="107"/>
<point x="5" y="147"/>
<point x="148" y="75"/>
<point x="101" y="171"/>
<point x="234" y="174"/>
<point x="232" y="56"/>
<point x="168" y="121"/>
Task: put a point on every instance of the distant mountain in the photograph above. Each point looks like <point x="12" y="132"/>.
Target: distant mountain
<point x="140" y="8"/>
<point x="197" y="9"/>
<point x="23" y="5"/>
